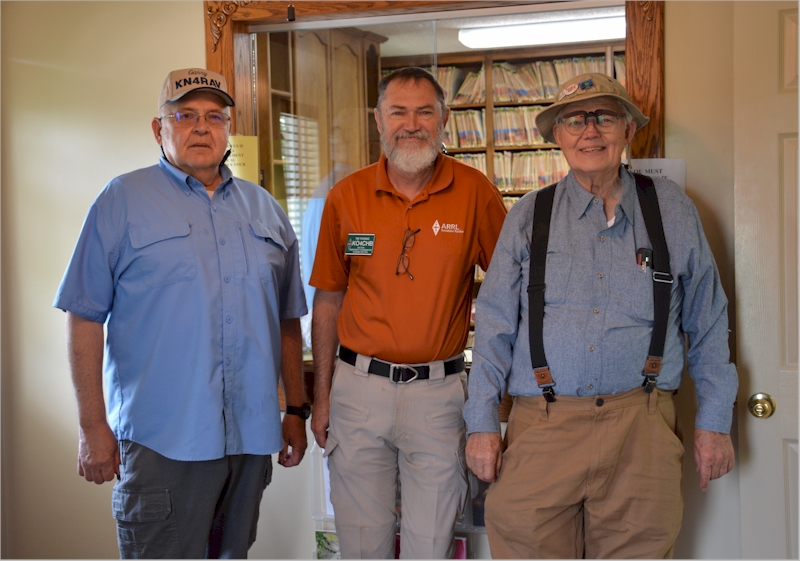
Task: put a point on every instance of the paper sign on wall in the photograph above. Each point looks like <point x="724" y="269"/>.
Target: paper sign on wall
<point x="670" y="168"/>
<point x="243" y="160"/>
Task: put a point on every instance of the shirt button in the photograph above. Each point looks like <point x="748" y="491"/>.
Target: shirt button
<point x="602" y="238"/>
<point x="227" y="279"/>
<point x="410" y="207"/>
<point x="591" y="347"/>
<point x="222" y="241"/>
<point x="213" y="207"/>
<point x="228" y="361"/>
<point x="599" y="275"/>
<point x="595" y="200"/>
<point x="229" y="319"/>
<point x="589" y="387"/>
<point x="596" y="310"/>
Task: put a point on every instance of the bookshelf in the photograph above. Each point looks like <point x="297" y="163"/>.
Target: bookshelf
<point x="492" y="125"/>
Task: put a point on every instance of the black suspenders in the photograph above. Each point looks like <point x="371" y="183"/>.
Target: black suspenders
<point x="662" y="283"/>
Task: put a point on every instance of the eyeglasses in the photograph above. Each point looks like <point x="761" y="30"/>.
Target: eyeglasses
<point x="403" y="260"/>
<point x="214" y="119"/>
<point x="577" y="121"/>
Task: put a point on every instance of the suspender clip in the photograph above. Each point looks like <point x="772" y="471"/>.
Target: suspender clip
<point x="658" y="276"/>
<point x="548" y="394"/>
<point x="649" y="384"/>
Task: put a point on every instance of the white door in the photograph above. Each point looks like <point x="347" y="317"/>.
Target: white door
<point x="766" y="204"/>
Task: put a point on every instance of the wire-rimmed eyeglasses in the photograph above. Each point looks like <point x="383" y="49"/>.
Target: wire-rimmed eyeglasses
<point x="576" y="122"/>
<point x="214" y="119"/>
<point x="404" y="259"/>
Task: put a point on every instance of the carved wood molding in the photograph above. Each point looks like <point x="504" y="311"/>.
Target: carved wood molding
<point x="646" y="6"/>
<point x="219" y="13"/>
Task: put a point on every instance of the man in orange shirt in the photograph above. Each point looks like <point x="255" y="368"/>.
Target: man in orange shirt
<point x="394" y="271"/>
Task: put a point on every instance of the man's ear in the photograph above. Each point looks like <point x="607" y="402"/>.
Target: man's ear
<point x="630" y="130"/>
<point x="377" y="118"/>
<point x="156" y="125"/>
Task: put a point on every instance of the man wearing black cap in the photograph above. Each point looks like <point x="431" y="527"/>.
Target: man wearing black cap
<point x="196" y="276"/>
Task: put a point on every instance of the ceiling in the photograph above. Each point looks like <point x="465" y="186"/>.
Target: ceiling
<point x="441" y="35"/>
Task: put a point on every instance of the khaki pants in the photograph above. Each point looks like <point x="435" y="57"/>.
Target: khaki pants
<point x="589" y="477"/>
<point x="378" y="430"/>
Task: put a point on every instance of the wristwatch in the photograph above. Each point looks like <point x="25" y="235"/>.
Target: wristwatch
<point x="303" y="411"/>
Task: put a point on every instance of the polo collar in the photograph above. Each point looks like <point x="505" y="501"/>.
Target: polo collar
<point x="441" y="180"/>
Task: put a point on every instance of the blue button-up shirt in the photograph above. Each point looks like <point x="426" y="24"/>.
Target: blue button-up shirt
<point x="193" y="290"/>
<point x="599" y="306"/>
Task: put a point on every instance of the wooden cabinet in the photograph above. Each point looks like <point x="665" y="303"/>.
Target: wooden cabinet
<point x="312" y="90"/>
<point x="514" y="166"/>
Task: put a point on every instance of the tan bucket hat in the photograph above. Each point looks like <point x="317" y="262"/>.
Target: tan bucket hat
<point x="181" y="82"/>
<point x="586" y="86"/>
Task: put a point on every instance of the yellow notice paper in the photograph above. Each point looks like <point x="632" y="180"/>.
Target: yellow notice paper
<point x="243" y="160"/>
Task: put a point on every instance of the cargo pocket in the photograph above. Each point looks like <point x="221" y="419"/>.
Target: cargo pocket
<point x="145" y="527"/>
<point x="270" y="250"/>
<point x="330" y="446"/>
<point x="163" y="253"/>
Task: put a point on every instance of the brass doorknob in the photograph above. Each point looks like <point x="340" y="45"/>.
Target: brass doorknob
<point x="761" y="405"/>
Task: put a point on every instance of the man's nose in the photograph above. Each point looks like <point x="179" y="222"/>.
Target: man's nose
<point x="201" y="125"/>
<point x="591" y="121"/>
<point x="411" y="122"/>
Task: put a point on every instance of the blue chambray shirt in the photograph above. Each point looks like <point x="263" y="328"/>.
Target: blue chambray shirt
<point x="599" y="306"/>
<point x="193" y="290"/>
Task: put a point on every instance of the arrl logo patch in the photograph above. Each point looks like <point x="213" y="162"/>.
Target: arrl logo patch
<point x="446" y="229"/>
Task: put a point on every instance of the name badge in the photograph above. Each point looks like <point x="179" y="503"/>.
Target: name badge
<point x="359" y="244"/>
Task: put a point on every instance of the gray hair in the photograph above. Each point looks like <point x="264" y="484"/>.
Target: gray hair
<point x="412" y="74"/>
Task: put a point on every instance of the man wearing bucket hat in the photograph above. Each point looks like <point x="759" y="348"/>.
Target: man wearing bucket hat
<point x="592" y="349"/>
<point x="195" y="274"/>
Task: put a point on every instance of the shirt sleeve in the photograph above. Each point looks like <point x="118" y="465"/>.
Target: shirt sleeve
<point x="704" y="318"/>
<point x="87" y="288"/>
<point x="497" y="320"/>
<point x="293" y="298"/>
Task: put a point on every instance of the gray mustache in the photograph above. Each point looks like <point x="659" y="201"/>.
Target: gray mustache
<point x="419" y="135"/>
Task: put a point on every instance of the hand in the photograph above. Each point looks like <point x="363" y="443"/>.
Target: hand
<point x="98" y="454"/>
<point x="713" y="455"/>
<point x="484" y="455"/>
<point x="320" y="419"/>
<point x="294" y="441"/>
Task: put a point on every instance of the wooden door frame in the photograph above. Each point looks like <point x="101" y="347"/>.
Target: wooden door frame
<point x="228" y="49"/>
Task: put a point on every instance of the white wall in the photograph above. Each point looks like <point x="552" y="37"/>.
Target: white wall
<point x="699" y="128"/>
<point x="79" y="87"/>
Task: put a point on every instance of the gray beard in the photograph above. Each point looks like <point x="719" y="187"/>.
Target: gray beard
<point x="409" y="160"/>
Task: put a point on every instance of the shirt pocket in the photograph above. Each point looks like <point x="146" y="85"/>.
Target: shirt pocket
<point x="163" y="253"/>
<point x="270" y="250"/>
<point x="634" y="291"/>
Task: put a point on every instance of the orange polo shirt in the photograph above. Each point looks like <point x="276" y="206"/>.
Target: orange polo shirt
<point x="389" y="316"/>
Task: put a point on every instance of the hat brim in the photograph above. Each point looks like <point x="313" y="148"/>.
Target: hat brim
<point x="546" y="119"/>
<point x="222" y="95"/>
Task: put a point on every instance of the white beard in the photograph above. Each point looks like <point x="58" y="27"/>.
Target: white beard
<point x="413" y="160"/>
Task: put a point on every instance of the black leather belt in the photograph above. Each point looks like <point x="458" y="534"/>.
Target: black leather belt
<point x="402" y="373"/>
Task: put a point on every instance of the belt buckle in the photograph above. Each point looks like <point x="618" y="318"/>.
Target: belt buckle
<point x="396" y="370"/>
